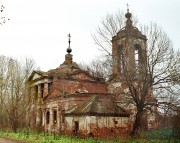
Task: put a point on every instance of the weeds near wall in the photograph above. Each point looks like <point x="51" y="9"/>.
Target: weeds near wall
<point x="155" y="136"/>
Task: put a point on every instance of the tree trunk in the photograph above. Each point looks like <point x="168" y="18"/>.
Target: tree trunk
<point x="137" y="123"/>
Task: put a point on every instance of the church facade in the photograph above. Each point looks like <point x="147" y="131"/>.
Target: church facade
<point x="69" y="100"/>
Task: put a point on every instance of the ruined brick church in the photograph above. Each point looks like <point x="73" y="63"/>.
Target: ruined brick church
<point x="69" y="100"/>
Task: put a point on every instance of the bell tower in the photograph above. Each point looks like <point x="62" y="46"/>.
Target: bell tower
<point x="129" y="49"/>
<point x="129" y="71"/>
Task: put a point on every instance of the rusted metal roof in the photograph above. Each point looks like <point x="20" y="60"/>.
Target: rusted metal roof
<point x="98" y="105"/>
<point x="66" y="71"/>
<point x="63" y="70"/>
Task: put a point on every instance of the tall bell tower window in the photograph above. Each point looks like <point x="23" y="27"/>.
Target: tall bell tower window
<point x="121" y="58"/>
<point x="137" y="57"/>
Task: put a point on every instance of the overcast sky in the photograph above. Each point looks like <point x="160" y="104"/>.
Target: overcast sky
<point x="38" y="28"/>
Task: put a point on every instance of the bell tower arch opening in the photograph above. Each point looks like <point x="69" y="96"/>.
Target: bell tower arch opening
<point x="121" y="58"/>
<point x="137" y="57"/>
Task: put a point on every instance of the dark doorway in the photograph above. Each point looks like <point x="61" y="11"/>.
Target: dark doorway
<point x="76" y="127"/>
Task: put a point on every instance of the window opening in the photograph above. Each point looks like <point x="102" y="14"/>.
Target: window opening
<point x="121" y="57"/>
<point x="137" y="54"/>
<point x="54" y="116"/>
<point x="36" y="92"/>
<point x="47" y="117"/>
<point x="42" y="90"/>
<point x="49" y="87"/>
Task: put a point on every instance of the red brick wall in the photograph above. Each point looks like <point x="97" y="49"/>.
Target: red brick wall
<point x="75" y="86"/>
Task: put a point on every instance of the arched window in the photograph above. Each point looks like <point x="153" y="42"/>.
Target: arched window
<point x="54" y="116"/>
<point x="47" y="117"/>
<point x="137" y="57"/>
<point x="121" y="58"/>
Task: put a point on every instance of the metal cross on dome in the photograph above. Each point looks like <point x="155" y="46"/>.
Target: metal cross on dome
<point x="69" y="39"/>
<point x="127" y="7"/>
<point x="69" y="50"/>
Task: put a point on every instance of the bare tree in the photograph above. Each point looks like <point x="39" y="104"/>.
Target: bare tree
<point x="99" y="68"/>
<point x="3" y="19"/>
<point x="13" y="91"/>
<point x="149" y="84"/>
<point x="175" y="71"/>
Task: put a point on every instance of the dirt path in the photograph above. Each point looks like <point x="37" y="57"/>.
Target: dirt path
<point x="6" y="140"/>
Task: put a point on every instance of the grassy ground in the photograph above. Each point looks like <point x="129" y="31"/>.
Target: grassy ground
<point x="41" y="138"/>
<point x="155" y="136"/>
